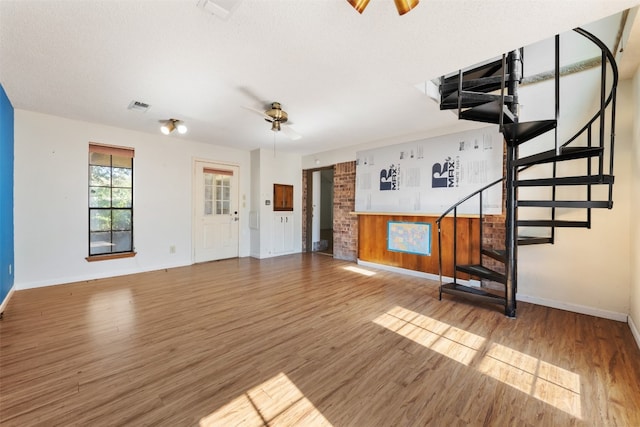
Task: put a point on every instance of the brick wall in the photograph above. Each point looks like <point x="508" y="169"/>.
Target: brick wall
<point x="493" y="235"/>
<point x="493" y="227"/>
<point x="345" y="224"/>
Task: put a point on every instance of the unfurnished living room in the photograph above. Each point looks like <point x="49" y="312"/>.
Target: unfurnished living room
<point x="320" y="213"/>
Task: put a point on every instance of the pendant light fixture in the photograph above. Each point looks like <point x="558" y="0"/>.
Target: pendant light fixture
<point x="170" y="125"/>
<point x="403" y="6"/>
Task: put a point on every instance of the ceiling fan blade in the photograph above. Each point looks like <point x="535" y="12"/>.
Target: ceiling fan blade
<point x="261" y="113"/>
<point x="359" y="5"/>
<point x="292" y="134"/>
<point x="249" y="93"/>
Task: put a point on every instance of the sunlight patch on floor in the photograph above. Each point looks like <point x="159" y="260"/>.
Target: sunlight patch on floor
<point x="455" y="343"/>
<point x="277" y="401"/>
<point x="546" y="382"/>
<point x="360" y="270"/>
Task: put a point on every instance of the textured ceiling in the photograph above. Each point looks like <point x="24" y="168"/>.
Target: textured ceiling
<point x="344" y="78"/>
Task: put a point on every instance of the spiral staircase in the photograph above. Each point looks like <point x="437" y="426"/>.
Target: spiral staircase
<point x="489" y="93"/>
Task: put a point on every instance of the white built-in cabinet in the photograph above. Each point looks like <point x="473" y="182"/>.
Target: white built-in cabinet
<point x="282" y="233"/>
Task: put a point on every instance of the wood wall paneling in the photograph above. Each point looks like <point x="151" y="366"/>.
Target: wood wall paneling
<point x="373" y="240"/>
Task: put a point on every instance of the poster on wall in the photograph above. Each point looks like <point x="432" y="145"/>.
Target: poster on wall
<point x="428" y="176"/>
<point x="409" y="237"/>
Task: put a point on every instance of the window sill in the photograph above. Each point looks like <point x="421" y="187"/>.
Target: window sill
<point x="106" y="257"/>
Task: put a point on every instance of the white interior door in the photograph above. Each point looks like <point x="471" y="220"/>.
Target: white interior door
<point x="215" y="211"/>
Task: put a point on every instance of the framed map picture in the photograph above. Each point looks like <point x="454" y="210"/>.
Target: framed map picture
<point x="409" y="237"/>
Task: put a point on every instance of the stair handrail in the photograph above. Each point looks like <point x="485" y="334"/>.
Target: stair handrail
<point x="461" y="201"/>
<point x="454" y="208"/>
<point x="614" y="69"/>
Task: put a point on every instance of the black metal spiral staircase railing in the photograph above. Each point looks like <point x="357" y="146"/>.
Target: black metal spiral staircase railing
<point x="479" y="95"/>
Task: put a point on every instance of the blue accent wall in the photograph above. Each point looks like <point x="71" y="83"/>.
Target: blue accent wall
<point x="6" y="195"/>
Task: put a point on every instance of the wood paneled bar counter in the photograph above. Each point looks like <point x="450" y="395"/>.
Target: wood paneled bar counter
<point x="373" y="242"/>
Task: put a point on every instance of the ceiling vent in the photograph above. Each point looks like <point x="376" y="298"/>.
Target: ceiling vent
<point x="220" y="8"/>
<point x="138" y="106"/>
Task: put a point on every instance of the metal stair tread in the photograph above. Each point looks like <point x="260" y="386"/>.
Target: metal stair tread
<point x="490" y="69"/>
<point x="566" y="180"/>
<point x="476" y="294"/>
<point x="566" y="153"/>
<point x="488" y="113"/>
<point x="482" y="271"/>
<point x="497" y="254"/>
<point x="533" y="240"/>
<point x="483" y="84"/>
<point x="552" y="223"/>
<point x="578" y="204"/>
<point x="518" y="133"/>
<point x="471" y="99"/>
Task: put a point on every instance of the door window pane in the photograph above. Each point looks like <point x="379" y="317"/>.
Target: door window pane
<point x="217" y="193"/>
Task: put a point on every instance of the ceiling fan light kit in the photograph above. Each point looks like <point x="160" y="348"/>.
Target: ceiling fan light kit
<point x="278" y="119"/>
<point x="171" y="125"/>
<point x="276" y="116"/>
<point x="276" y="113"/>
<point x="403" y="6"/>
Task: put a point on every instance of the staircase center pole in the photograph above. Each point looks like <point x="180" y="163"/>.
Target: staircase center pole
<point x="511" y="238"/>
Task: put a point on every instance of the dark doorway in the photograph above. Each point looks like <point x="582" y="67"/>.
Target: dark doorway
<point x="320" y="211"/>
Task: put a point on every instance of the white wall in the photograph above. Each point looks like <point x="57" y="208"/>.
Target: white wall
<point x="255" y="204"/>
<point x="588" y="270"/>
<point x="634" y="225"/>
<point x="585" y="270"/>
<point x="276" y="168"/>
<point x="51" y="199"/>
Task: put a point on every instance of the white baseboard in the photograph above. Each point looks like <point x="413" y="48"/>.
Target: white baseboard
<point x="105" y="275"/>
<point x="576" y="308"/>
<point x="634" y="330"/>
<point x="6" y="300"/>
<point x="421" y="274"/>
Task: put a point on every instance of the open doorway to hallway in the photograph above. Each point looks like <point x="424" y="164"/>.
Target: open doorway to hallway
<point x="319" y="221"/>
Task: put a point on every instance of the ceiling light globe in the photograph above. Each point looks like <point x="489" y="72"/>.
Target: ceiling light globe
<point x="182" y="128"/>
<point x="165" y="129"/>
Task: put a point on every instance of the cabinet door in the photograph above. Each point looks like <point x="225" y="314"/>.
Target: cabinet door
<point x="287" y="195"/>
<point x="282" y="197"/>
<point x="287" y="233"/>
<point x="278" y="241"/>
<point x="282" y="233"/>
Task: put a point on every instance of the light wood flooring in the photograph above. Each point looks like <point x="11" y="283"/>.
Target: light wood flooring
<point x="303" y="340"/>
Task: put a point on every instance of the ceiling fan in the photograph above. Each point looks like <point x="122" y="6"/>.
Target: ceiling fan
<point x="278" y="119"/>
<point x="403" y="6"/>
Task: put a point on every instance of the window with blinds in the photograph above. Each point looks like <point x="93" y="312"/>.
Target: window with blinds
<point x="110" y="200"/>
